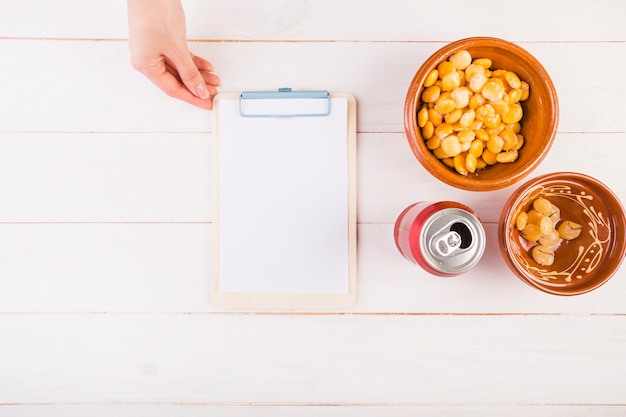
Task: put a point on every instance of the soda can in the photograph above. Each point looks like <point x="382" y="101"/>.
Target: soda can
<point x="445" y="238"/>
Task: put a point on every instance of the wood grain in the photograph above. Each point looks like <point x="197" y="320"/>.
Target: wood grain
<point x="310" y="359"/>
<point x="165" y="177"/>
<point x="152" y="268"/>
<point x="90" y="87"/>
<point x="307" y="410"/>
<point x="348" y="20"/>
<point x="105" y="223"/>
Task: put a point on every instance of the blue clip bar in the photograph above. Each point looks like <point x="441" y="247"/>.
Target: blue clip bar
<point x="317" y="110"/>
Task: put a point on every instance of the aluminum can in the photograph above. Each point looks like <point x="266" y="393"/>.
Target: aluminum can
<point x="445" y="238"/>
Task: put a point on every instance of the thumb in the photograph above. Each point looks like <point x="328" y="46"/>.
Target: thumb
<point x="190" y="75"/>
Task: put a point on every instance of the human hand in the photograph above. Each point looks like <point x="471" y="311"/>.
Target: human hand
<point x="158" y="49"/>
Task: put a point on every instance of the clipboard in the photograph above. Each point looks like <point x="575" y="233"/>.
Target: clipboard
<point x="284" y="200"/>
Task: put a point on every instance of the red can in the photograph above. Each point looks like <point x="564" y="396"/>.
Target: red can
<point x="445" y="238"/>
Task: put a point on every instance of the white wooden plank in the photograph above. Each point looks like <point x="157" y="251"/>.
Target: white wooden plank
<point x="85" y="87"/>
<point x="401" y="20"/>
<point x="63" y="19"/>
<point x="166" y="268"/>
<point x="397" y="20"/>
<point x="316" y="360"/>
<point x="104" y="267"/>
<point x="80" y="177"/>
<point x="391" y="178"/>
<point x="130" y="177"/>
<point x="90" y="87"/>
<point x="306" y="410"/>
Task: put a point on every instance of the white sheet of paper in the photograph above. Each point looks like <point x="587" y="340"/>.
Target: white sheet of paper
<point x="283" y="201"/>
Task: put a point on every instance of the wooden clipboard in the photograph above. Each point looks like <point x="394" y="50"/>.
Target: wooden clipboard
<point x="284" y="200"/>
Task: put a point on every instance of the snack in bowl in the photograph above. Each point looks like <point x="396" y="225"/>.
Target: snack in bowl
<point x="538" y="226"/>
<point x="470" y="113"/>
<point x="584" y="237"/>
<point x="494" y="67"/>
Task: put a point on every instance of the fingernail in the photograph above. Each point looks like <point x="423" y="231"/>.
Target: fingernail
<point x="202" y="91"/>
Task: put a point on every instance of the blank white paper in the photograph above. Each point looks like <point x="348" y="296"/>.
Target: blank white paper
<point x="283" y="201"/>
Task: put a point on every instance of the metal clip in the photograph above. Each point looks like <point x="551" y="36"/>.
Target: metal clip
<point x="312" y="103"/>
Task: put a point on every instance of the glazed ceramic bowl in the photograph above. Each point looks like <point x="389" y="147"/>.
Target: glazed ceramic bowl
<point x="582" y="264"/>
<point x="539" y="122"/>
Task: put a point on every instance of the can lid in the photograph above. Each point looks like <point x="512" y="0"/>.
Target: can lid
<point x="452" y="240"/>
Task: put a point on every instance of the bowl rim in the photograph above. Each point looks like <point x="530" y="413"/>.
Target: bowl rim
<point x="526" y="188"/>
<point x="424" y="155"/>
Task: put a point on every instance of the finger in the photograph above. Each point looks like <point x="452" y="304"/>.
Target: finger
<point x="180" y="92"/>
<point x="212" y="90"/>
<point x="172" y="71"/>
<point x="190" y="75"/>
<point x="169" y="83"/>
<point x="206" y="70"/>
<point x="201" y="63"/>
<point x="210" y="78"/>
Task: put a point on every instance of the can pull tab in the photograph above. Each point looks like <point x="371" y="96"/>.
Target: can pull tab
<point x="448" y="243"/>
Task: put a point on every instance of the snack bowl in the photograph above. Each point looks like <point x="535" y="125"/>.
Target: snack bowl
<point x="581" y="264"/>
<point x="538" y="124"/>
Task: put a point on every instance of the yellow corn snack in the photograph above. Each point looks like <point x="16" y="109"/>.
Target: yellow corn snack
<point x="463" y="98"/>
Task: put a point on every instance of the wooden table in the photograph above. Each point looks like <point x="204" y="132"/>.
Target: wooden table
<point x="105" y="222"/>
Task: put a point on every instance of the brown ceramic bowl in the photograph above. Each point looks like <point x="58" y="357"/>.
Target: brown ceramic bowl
<point x="581" y="264"/>
<point x="539" y="123"/>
